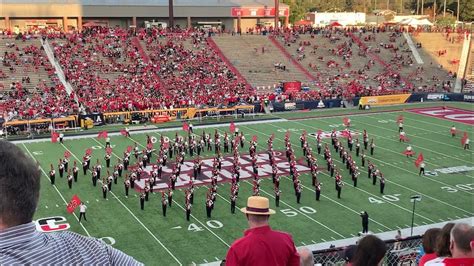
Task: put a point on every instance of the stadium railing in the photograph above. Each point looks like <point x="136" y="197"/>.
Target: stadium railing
<point x="399" y="252"/>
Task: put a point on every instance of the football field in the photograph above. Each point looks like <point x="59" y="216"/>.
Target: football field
<point x="447" y="189"/>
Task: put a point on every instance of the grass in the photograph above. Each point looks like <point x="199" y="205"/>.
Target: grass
<point x="154" y="239"/>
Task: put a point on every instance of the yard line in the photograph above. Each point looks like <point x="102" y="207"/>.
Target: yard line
<point x="212" y="232"/>
<point x="338" y="203"/>
<point x="304" y="244"/>
<point x="372" y="125"/>
<point x="458" y="217"/>
<point x="324" y="240"/>
<point x="428" y="131"/>
<point x="355" y="235"/>
<point x="314" y="242"/>
<point x="333" y="238"/>
<point x="57" y="190"/>
<point x="403" y="208"/>
<point x="205" y="261"/>
<point x="441" y="220"/>
<point x="193" y="263"/>
<point x="218" y="237"/>
<point x="435" y="199"/>
<point x="415" y="224"/>
<point x="380" y="230"/>
<point x="136" y="218"/>
<point x="406" y="225"/>
<point x="426" y="223"/>
<point x="46" y="206"/>
<point x="216" y="258"/>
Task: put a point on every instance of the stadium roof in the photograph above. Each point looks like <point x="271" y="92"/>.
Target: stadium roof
<point x="213" y="3"/>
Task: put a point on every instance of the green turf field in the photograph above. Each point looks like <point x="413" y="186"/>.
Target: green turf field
<point x="154" y="239"/>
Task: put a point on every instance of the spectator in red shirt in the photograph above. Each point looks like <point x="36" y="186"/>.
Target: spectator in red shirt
<point x="260" y="244"/>
<point x="429" y="242"/>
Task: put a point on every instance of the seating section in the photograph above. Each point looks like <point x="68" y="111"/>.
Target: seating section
<point x="29" y="87"/>
<point x="258" y="60"/>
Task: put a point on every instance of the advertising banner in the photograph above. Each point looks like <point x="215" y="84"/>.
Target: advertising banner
<point x="384" y="100"/>
<point x="293" y="86"/>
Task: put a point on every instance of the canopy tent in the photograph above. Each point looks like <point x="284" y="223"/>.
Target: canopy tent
<point x="335" y="24"/>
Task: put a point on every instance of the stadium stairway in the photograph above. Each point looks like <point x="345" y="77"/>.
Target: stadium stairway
<point x="136" y="43"/>
<point x="257" y="67"/>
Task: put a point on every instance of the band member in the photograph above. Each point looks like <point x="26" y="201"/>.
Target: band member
<point x="466" y="144"/>
<point x="127" y="132"/>
<point x="382" y="183"/>
<point x="142" y="201"/>
<point x="453" y="131"/>
<point x="277" y="196"/>
<point x="164" y="203"/>
<point x="61" y="168"/>
<point x="318" y="191"/>
<point x="365" y="222"/>
<point x="366" y="139"/>
<point x="374" y="177"/>
<point x="107" y="160"/>
<point x="61" y="138"/>
<point x="98" y="168"/>
<point x="409" y="151"/>
<point x="65" y="163"/>
<point x="170" y="196"/>
<point x="109" y="180"/>
<point x="298" y="191"/>
<point x="126" y="184"/>
<point x="147" y="192"/>
<point x="363" y="158"/>
<point x="233" y="199"/>
<point x="69" y="179"/>
<point x="94" y="177"/>
<point x="372" y="147"/>
<point x="357" y="147"/>
<point x="75" y="171"/>
<point x="107" y="142"/>
<point x="105" y="188"/>
<point x="400" y="127"/>
<point x="209" y="205"/>
<point x="188" y="210"/>
<point x="422" y="169"/>
<point x="52" y="175"/>
<point x="339" y="185"/>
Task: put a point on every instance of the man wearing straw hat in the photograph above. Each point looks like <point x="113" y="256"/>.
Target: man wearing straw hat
<point x="261" y="245"/>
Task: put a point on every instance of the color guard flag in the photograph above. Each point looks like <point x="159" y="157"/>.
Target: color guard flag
<point x="464" y="138"/>
<point x="185" y="127"/>
<point x="287" y="134"/>
<point x="129" y="148"/>
<point x="102" y="134"/>
<point x="123" y="132"/>
<point x="54" y="137"/>
<point x="108" y="150"/>
<point x="400" y="119"/>
<point x="89" y="151"/>
<point x="73" y="204"/>
<point x="254" y="138"/>
<point x="419" y="160"/>
<point x="346" y="121"/>
<point x="67" y="154"/>
<point x="232" y="127"/>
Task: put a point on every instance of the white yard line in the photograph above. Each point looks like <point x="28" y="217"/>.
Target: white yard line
<point x="133" y="215"/>
<point x="389" y="181"/>
<point x="373" y="195"/>
<point x="57" y="190"/>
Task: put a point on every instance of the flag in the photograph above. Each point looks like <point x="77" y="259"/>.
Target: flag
<point x="346" y="121"/>
<point x="102" y="134"/>
<point x="254" y="138"/>
<point x="346" y="134"/>
<point x="54" y="137"/>
<point x="129" y="148"/>
<point x="400" y="119"/>
<point x="185" y="127"/>
<point x="232" y="127"/>
<point x="419" y="160"/>
<point x="287" y="134"/>
<point x="404" y="138"/>
<point x="73" y="204"/>
<point x="149" y="146"/>
<point x="320" y="132"/>
<point x="108" y="150"/>
<point x="123" y="132"/>
<point x="464" y="138"/>
<point x="89" y="151"/>
<point x="409" y="153"/>
<point x="67" y="154"/>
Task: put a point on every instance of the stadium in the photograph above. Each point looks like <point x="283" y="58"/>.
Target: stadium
<point x="165" y="118"/>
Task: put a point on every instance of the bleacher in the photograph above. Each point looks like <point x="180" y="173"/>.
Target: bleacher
<point x="245" y="53"/>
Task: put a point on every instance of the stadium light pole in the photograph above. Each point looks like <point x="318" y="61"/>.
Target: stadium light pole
<point x="414" y="199"/>
<point x="171" y="14"/>
<point x="277" y="13"/>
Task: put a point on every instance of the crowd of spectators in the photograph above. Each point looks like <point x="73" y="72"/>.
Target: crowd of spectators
<point x="114" y="69"/>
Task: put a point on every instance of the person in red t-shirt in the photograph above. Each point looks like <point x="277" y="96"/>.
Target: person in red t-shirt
<point x="429" y="243"/>
<point x="261" y="245"/>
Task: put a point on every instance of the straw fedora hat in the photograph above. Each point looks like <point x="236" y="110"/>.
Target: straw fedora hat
<point x="257" y="205"/>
